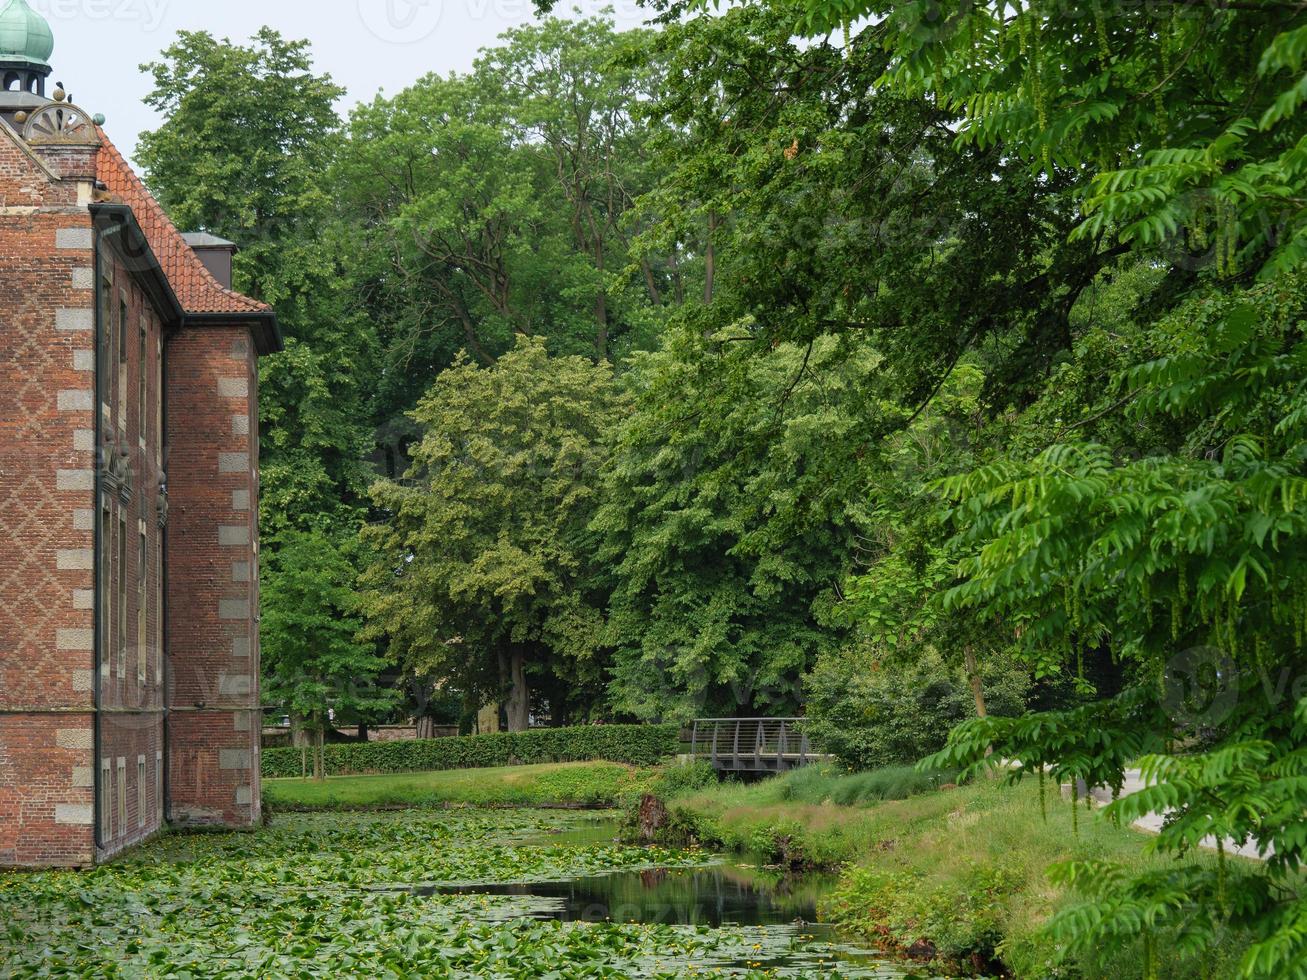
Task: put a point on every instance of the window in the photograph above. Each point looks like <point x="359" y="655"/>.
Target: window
<point x="106" y="796"/>
<point x="158" y="616"/>
<point x="142" y="387"/>
<point x="106" y="571"/>
<point x="158" y="401"/>
<point x="120" y="596"/>
<point x="106" y="338"/>
<point x="140" y="791"/>
<point x="122" y="794"/>
<point x="158" y="784"/>
<point x="141" y="567"/>
<point x="123" y="327"/>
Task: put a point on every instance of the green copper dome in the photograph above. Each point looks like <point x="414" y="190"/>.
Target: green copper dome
<point x="24" y="35"/>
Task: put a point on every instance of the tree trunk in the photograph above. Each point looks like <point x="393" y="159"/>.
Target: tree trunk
<point x="678" y="284"/>
<point x="977" y="686"/>
<point x="601" y="310"/>
<point x="655" y="296"/>
<point x="519" y="696"/>
<point x="363" y="731"/>
<point x="320" y="755"/>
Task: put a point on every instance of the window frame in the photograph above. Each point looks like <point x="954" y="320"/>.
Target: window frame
<point x="121" y="596"/>
<point x="106" y="801"/>
<point x="122" y="794"/>
<point x="140" y="792"/>
<point x="142" y="559"/>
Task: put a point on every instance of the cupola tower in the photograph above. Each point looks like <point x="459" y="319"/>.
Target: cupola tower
<point x="26" y="43"/>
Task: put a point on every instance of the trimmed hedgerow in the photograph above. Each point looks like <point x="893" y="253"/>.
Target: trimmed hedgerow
<point x="636" y="745"/>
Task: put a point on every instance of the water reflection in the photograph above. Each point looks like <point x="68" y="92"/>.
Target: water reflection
<point x="722" y="895"/>
<point x="739" y="917"/>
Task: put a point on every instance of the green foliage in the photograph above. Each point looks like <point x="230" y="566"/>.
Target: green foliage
<point x="329" y="895"/>
<point x="960" y="925"/>
<point x="555" y="784"/>
<point x="961" y="875"/>
<point x="635" y="745"/>
<point x="816" y="201"/>
<point x="728" y="515"/>
<point x="1100" y="87"/>
<point x="823" y="785"/>
<point x="312" y="659"/>
<point x="497" y="201"/>
<point x="683" y="777"/>
<point x="872" y="713"/>
<point x="483" y="570"/>
<point x="1190" y="565"/>
<point x="958" y="373"/>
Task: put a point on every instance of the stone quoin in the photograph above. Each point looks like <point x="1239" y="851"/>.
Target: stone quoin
<point x="129" y="655"/>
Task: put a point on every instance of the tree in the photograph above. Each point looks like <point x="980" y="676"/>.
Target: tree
<point x="731" y="511"/>
<point x="1188" y="563"/>
<point x="1180" y="559"/>
<point x="484" y="570"/>
<point x="244" y="152"/>
<point x="313" y="661"/>
<point x="499" y="199"/>
<point x="248" y="135"/>
<point x="841" y="208"/>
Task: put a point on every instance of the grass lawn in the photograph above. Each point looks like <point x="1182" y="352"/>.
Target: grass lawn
<point x="961" y="872"/>
<point x="554" y="784"/>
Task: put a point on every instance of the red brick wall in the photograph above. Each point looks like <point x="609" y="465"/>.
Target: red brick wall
<point x="214" y="720"/>
<point x="49" y="289"/>
<point x="47" y="462"/>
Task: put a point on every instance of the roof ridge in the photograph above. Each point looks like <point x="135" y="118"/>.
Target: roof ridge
<point x="191" y="280"/>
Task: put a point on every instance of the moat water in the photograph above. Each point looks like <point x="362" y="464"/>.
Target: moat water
<point x="779" y="911"/>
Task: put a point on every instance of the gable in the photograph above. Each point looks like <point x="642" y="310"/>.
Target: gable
<point x="25" y="182"/>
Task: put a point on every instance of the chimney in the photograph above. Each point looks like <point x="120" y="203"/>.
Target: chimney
<point x="216" y="254"/>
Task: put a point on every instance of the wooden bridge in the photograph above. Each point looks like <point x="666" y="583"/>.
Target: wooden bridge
<point x="752" y="744"/>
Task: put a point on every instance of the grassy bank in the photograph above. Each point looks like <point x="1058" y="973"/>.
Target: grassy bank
<point x="958" y="875"/>
<point x="555" y="784"/>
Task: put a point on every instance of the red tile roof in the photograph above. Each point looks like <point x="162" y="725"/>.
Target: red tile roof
<point x="196" y="289"/>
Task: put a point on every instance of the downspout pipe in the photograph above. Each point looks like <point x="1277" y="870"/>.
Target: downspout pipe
<point x="97" y="601"/>
<point x="165" y="659"/>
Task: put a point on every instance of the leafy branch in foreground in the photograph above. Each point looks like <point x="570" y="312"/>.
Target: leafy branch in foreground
<point x="1182" y="117"/>
<point x="1189" y="566"/>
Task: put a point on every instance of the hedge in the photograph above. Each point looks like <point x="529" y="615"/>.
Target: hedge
<point x="636" y="745"/>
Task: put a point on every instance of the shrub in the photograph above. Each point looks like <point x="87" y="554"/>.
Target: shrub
<point x="687" y="777"/>
<point x="870" y="714"/>
<point x="554" y="784"/>
<point x="636" y="745"/>
<point x="962" y="922"/>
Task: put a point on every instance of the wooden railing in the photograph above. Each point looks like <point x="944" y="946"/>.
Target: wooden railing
<point x="752" y="744"/>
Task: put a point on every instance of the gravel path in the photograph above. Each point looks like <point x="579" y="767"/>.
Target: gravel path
<point x="1153" y="822"/>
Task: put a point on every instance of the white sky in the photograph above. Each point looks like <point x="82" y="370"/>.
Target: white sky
<point x="366" y="45"/>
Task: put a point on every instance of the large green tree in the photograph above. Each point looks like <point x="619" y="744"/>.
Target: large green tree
<point x="497" y="201"/>
<point x="732" y="505"/>
<point x="484" y="577"/>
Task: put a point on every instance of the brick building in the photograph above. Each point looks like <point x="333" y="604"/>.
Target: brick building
<point x="129" y="658"/>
